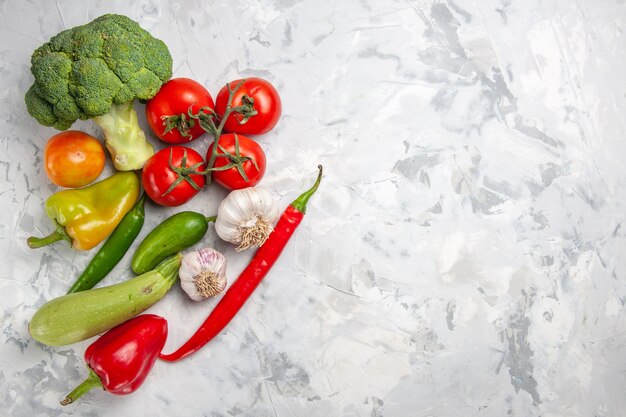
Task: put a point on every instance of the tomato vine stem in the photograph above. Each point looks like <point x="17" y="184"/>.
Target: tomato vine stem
<point x="206" y="119"/>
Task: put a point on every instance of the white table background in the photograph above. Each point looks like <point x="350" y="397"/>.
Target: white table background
<point x="465" y="254"/>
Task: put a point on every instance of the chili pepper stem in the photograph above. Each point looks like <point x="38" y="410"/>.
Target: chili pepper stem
<point x="300" y="202"/>
<point x="140" y="204"/>
<point x="211" y="219"/>
<point x="59" y="234"/>
<point x="87" y="385"/>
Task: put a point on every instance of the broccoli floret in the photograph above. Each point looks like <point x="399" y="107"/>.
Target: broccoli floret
<point x="96" y="71"/>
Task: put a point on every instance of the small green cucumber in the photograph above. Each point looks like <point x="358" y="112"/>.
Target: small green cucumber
<point x="81" y="315"/>
<point x="176" y="233"/>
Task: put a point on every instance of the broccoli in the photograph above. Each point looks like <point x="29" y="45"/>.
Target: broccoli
<point x="95" y="71"/>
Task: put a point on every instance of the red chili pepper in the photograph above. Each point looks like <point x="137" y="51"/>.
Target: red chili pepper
<point x="249" y="279"/>
<point x="120" y="360"/>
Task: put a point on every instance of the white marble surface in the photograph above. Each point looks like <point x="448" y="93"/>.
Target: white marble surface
<point x="465" y="255"/>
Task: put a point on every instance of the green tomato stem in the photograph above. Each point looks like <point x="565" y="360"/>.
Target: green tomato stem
<point x="183" y="172"/>
<point x="218" y="130"/>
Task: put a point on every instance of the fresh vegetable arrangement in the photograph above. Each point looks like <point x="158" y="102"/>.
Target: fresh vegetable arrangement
<point x="96" y="71"/>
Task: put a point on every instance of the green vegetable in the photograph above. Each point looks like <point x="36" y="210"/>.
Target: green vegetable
<point x="79" y="316"/>
<point x="96" y="71"/>
<point x="113" y="249"/>
<point x="177" y="232"/>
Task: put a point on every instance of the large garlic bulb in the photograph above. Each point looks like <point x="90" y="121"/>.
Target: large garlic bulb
<point x="246" y="217"/>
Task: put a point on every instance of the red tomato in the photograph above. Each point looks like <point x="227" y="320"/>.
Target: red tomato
<point x="166" y="168"/>
<point x="266" y="103"/>
<point x="73" y="159"/>
<point x="171" y="105"/>
<point x="248" y="154"/>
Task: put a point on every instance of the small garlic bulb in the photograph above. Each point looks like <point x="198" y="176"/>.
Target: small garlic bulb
<point x="246" y="217"/>
<point x="203" y="273"/>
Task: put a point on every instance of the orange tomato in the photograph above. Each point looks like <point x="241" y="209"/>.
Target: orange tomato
<point x="73" y="159"/>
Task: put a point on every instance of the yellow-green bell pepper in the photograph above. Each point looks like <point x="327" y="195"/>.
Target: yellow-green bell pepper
<point x="86" y="216"/>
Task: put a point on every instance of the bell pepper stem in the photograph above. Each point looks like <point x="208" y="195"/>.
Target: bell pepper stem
<point x="58" y="234"/>
<point x="87" y="385"/>
<point x="300" y="202"/>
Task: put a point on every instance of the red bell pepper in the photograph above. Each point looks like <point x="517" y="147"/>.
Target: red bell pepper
<point x="249" y="279"/>
<point x="120" y="360"/>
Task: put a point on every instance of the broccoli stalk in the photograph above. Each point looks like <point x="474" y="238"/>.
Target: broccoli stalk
<point x="96" y="71"/>
<point x="124" y="138"/>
